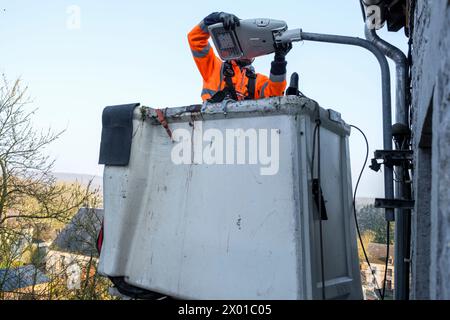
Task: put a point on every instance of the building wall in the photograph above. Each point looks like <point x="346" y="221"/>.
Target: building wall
<point x="74" y="268"/>
<point x="431" y="139"/>
<point x="379" y="270"/>
<point x="57" y="262"/>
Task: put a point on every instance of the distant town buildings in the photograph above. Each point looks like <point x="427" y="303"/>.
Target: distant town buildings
<point x="377" y="255"/>
<point x="69" y="259"/>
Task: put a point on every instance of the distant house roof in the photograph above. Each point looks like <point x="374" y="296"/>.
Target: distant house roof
<point x="80" y="234"/>
<point x="21" y="277"/>
<point x="377" y="251"/>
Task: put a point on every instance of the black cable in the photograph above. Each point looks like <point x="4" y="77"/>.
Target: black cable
<point x="320" y="212"/>
<point x="322" y="262"/>
<point x="354" y="210"/>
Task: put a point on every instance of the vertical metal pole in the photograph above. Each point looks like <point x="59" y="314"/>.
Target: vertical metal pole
<point x="386" y="97"/>
<point x="403" y="188"/>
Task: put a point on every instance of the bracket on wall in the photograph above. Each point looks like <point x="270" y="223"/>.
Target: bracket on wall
<point x="391" y="158"/>
<point x="394" y="204"/>
<point x="319" y="199"/>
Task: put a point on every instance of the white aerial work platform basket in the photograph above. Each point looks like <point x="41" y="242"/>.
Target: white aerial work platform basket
<point x="226" y="209"/>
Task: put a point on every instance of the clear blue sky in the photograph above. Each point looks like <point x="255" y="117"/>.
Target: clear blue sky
<point x="137" y="51"/>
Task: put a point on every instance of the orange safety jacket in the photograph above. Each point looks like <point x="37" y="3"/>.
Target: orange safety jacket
<point x="211" y="69"/>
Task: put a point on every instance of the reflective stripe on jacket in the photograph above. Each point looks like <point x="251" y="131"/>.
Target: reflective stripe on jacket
<point x="210" y="67"/>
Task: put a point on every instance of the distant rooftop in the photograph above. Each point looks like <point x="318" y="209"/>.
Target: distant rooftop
<point x="80" y="234"/>
<point x="377" y="251"/>
<point x="21" y="277"/>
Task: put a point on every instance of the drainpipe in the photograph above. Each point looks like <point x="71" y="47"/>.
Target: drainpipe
<point x="386" y="97"/>
<point x="401" y="66"/>
<point x="403" y="188"/>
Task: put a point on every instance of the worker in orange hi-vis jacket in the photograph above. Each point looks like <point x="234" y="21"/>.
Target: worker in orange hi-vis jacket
<point x="237" y="79"/>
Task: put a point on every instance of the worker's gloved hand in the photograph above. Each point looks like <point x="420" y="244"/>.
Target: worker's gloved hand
<point x="278" y="68"/>
<point x="230" y="21"/>
<point x="281" y="50"/>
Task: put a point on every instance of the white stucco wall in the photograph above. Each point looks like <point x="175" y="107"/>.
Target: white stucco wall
<point x="431" y="115"/>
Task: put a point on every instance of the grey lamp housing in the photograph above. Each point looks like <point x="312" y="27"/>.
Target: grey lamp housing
<point x="253" y="38"/>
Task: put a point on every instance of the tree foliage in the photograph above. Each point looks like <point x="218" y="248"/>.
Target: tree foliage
<point x="33" y="204"/>
<point x="373" y="220"/>
<point x="28" y="190"/>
